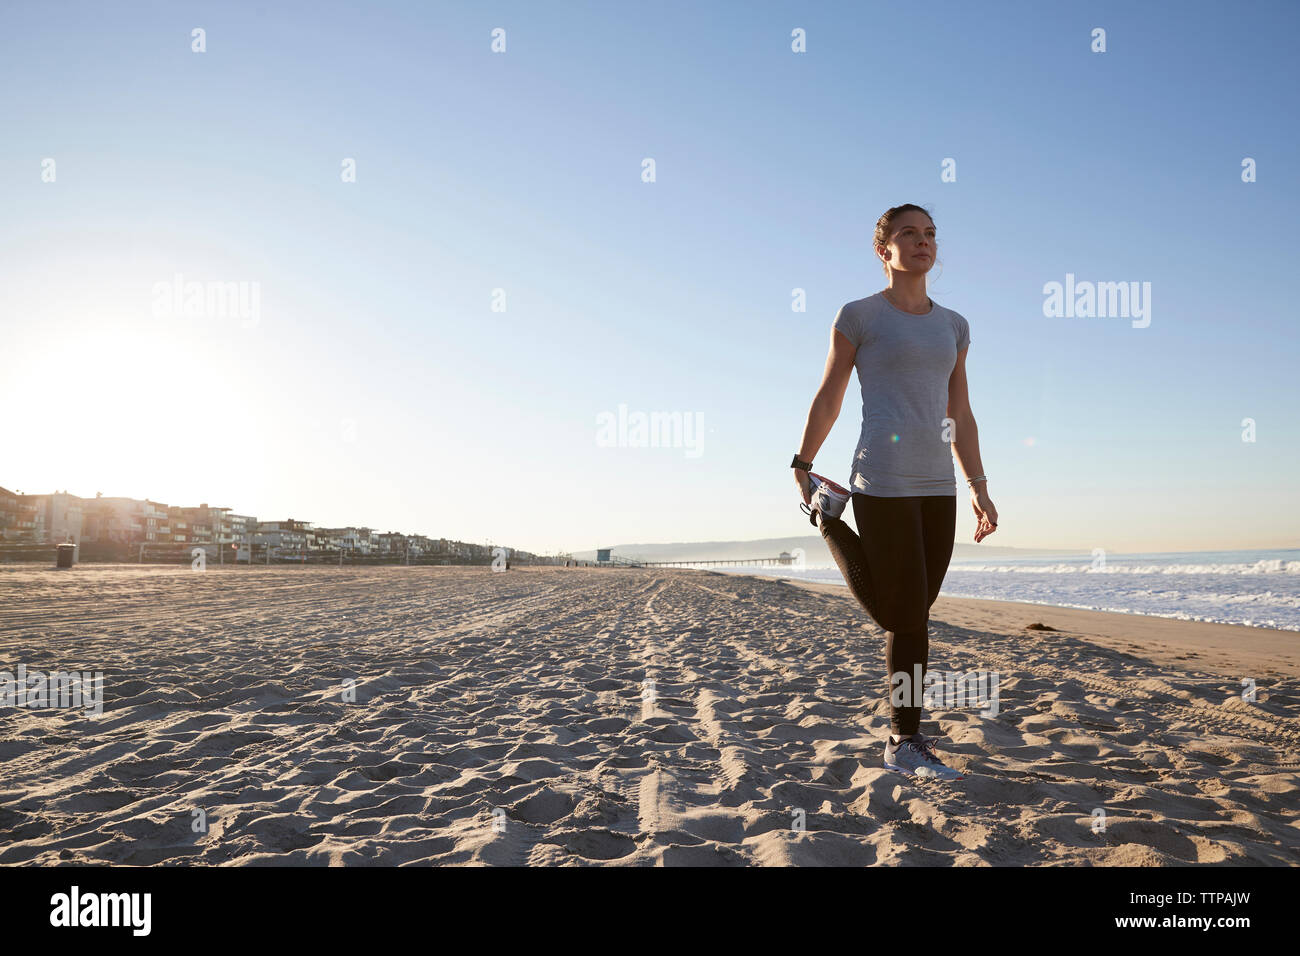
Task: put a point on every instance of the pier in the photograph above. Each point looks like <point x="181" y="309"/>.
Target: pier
<point x="785" y="558"/>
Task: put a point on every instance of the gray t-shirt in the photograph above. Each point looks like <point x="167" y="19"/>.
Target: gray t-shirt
<point x="903" y="362"/>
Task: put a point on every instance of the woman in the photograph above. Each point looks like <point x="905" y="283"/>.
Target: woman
<point x="910" y="355"/>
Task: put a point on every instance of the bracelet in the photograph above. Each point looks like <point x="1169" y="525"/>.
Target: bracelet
<point x="970" y="482"/>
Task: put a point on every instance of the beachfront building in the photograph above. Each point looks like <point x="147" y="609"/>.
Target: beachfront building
<point x="357" y="540"/>
<point x="201" y="525"/>
<point x="287" y="535"/>
<point x="461" y="549"/>
<point x="115" y="526"/>
<point x="22" y="517"/>
<point x="178" y="524"/>
<point x="392" y="542"/>
<point x="63" y="517"/>
<point x="239" y="527"/>
<point x="8" y="515"/>
<point x="113" y="519"/>
<point x="40" y="519"/>
<point x="325" y="539"/>
<point x="154" y="522"/>
<point x="352" y="540"/>
<point x="30" y="524"/>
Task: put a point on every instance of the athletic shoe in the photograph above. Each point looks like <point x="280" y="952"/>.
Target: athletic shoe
<point x="827" y="498"/>
<point x="915" y="757"/>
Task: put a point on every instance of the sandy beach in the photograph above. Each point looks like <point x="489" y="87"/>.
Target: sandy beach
<point x="552" y="716"/>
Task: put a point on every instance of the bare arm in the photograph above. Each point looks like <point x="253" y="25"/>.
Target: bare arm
<point x="826" y="403"/>
<point x="966" y="444"/>
<point x="966" y="437"/>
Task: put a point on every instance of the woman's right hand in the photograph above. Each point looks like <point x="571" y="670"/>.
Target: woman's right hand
<point x="805" y="486"/>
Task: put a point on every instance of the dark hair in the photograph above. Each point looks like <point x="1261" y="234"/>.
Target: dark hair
<point x="885" y="224"/>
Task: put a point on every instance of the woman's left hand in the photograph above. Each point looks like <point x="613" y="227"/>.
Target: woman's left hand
<point x="986" y="515"/>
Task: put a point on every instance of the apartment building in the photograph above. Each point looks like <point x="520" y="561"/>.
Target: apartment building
<point x="63" y="517"/>
<point x="352" y="540"/>
<point x="112" y="519"/>
<point x="8" y="514"/>
<point x="391" y="542"/>
<point x="239" y="527"/>
<point x="204" y="525"/>
<point x="289" y="534"/>
<point x="324" y="539"/>
<point x="22" y="517"/>
<point x="178" y="526"/>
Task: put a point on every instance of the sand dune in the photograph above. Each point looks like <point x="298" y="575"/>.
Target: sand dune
<point x="554" y="716"/>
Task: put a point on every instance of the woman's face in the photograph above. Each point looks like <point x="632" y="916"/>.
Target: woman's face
<point x="913" y="246"/>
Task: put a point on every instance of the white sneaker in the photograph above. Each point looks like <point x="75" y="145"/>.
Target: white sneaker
<point x="827" y="498"/>
<point x="915" y="757"/>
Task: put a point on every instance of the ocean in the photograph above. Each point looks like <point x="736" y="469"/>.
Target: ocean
<point x="1255" y="588"/>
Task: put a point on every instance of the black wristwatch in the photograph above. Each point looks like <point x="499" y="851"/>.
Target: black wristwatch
<point x="801" y="465"/>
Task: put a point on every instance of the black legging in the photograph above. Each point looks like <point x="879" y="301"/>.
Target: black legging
<point x="894" y="566"/>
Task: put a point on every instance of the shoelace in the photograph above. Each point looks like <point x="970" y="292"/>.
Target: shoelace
<point x="925" y="747"/>
<point x="926" y="750"/>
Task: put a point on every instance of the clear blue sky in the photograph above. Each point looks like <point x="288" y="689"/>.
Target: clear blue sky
<point x="378" y="386"/>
